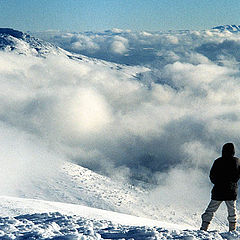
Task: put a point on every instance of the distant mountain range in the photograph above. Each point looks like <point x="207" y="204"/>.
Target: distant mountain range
<point x="230" y="28"/>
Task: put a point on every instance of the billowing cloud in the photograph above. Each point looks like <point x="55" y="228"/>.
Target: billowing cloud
<point x="119" y="45"/>
<point x="164" y="126"/>
<point x="146" y="47"/>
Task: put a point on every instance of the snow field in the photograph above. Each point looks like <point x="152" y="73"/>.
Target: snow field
<point x="59" y="226"/>
<point x="36" y="219"/>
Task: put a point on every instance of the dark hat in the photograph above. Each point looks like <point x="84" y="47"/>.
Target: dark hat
<point x="228" y="150"/>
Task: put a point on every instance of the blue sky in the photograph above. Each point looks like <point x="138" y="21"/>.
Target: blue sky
<point x="86" y="15"/>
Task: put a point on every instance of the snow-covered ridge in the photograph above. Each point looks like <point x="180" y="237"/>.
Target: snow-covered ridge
<point x="12" y="32"/>
<point x="72" y="183"/>
<point x="230" y="28"/>
<point x="22" y="43"/>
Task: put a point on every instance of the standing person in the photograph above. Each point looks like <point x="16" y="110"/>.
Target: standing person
<point x="224" y="174"/>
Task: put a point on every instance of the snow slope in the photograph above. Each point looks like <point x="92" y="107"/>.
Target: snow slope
<point x="51" y="220"/>
<point x="74" y="184"/>
<point x="71" y="183"/>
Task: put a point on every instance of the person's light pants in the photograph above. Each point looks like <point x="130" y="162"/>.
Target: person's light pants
<point x="213" y="207"/>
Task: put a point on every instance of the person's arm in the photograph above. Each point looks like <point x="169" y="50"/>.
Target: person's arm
<point x="238" y="170"/>
<point x="213" y="173"/>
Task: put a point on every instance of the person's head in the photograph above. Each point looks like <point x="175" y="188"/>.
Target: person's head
<point x="228" y="150"/>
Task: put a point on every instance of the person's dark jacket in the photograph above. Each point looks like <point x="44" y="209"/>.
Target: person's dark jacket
<point x="225" y="174"/>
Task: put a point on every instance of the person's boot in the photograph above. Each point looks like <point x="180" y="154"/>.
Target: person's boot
<point x="232" y="226"/>
<point x="204" y="226"/>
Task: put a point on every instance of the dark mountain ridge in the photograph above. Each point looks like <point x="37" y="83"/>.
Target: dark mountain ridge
<point x="230" y="28"/>
<point x="12" y="32"/>
<point x="23" y="43"/>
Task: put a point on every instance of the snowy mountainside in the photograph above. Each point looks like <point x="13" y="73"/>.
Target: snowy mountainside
<point x="72" y="183"/>
<point x="22" y="43"/>
<point x="75" y="184"/>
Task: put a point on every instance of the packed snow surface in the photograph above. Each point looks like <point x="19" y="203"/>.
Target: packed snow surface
<point x="38" y="219"/>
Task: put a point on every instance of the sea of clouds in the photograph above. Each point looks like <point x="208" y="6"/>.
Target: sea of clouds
<point x="164" y="126"/>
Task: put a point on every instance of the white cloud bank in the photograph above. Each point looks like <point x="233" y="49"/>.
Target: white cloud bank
<point x="144" y="47"/>
<point x="166" y="125"/>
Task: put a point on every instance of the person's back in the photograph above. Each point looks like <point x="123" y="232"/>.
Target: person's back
<point x="224" y="174"/>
